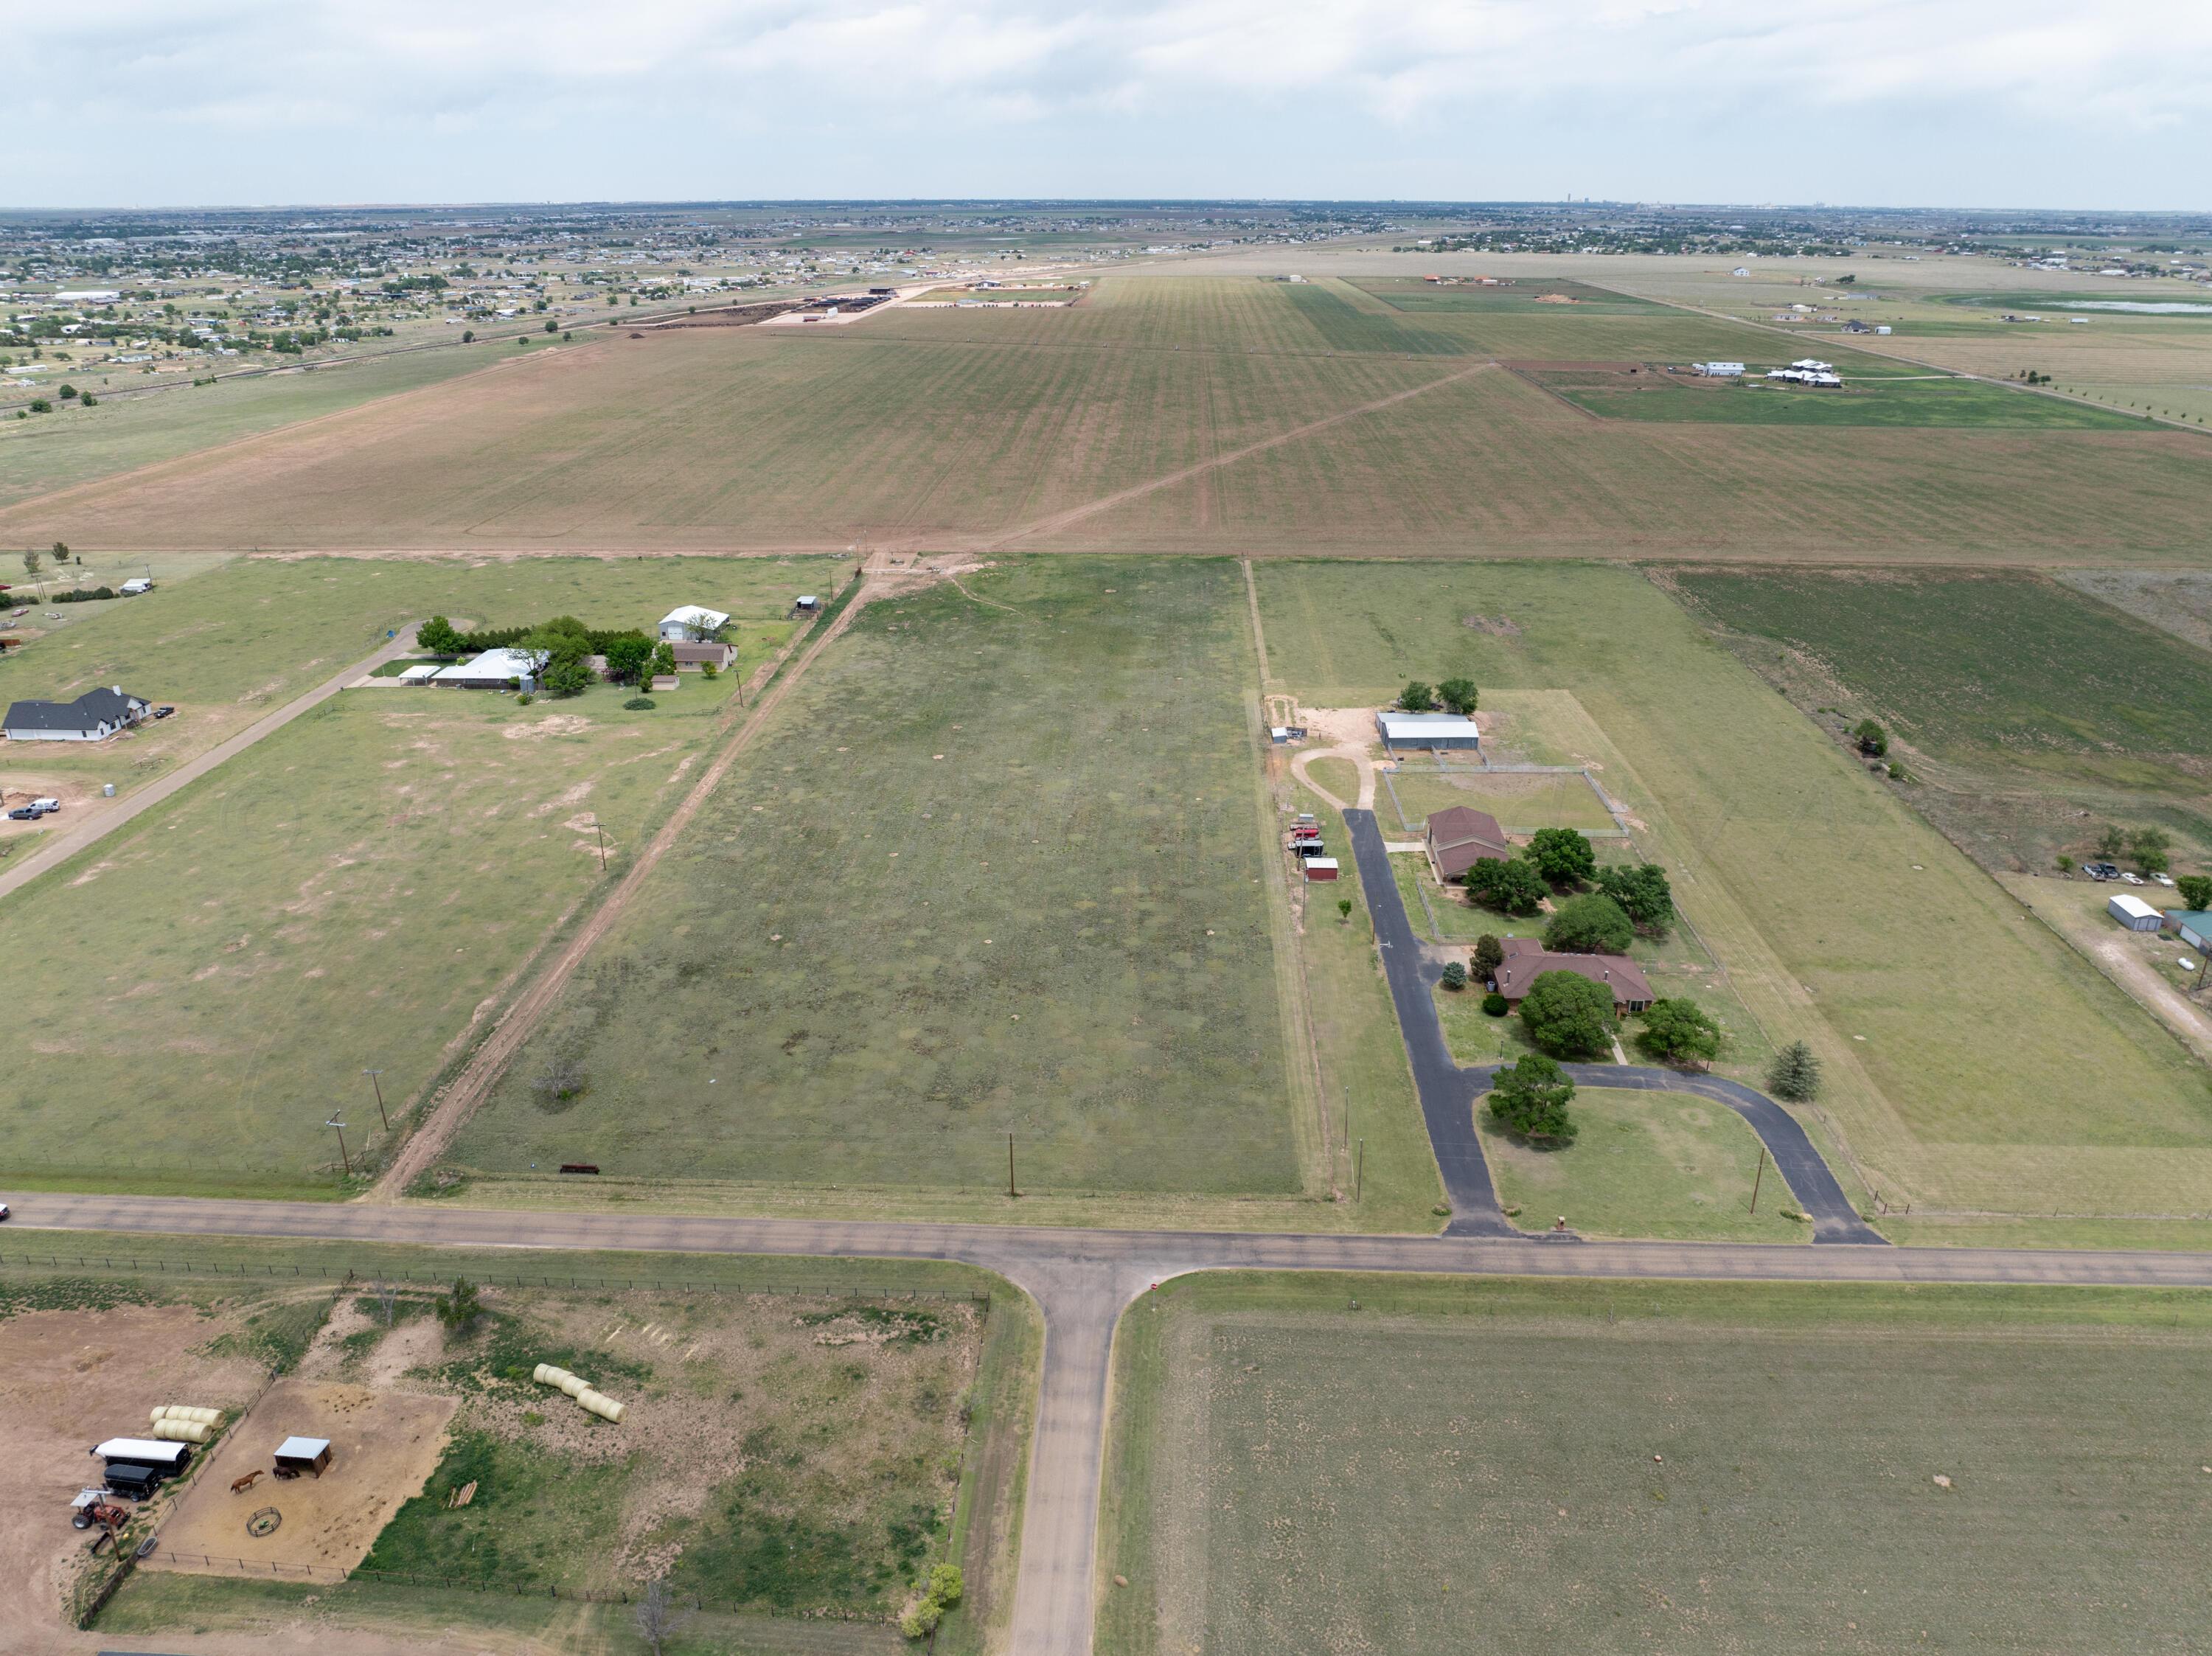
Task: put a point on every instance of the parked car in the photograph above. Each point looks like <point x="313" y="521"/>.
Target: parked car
<point x="2163" y="879"/>
<point x="45" y="807"/>
<point x="163" y="712"/>
<point x="2102" y="871"/>
<point x="24" y="814"/>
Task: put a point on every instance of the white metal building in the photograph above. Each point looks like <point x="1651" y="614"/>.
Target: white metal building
<point x="1426" y="731"/>
<point x="689" y="623"/>
<point x="492" y="670"/>
<point x="1718" y="370"/>
<point x="2135" y="914"/>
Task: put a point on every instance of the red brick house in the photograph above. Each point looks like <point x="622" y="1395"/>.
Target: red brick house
<point x="1461" y="836"/>
<point x="1527" y="960"/>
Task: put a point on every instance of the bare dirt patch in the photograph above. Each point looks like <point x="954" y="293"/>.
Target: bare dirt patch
<point x="384" y="1445"/>
<point x="69" y="1379"/>
<point x="21" y="787"/>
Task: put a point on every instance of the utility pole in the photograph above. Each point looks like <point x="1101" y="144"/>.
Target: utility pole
<point x="1758" y="1176"/>
<point x="1011" y="1191"/>
<point x="602" y="833"/>
<point x="378" y="1085"/>
<point x="1358" y="1170"/>
<point x="346" y="1161"/>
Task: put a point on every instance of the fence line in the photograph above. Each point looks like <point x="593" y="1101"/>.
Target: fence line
<point x="439" y="1279"/>
<point x="280" y="1570"/>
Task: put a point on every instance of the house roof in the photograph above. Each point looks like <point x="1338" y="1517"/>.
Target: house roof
<point x="495" y="663"/>
<point x="1460" y="836"/>
<point x="2198" y="920"/>
<point x="1527" y="960"/>
<point x="2135" y="907"/>
<point x="1423" y="727"/>
<point x="694" y="615"/>
<point x="88" y="712"/>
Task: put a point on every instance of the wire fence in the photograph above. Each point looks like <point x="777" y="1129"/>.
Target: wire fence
<point x="286" y="1570"/>
<point x="350" y="1277"/>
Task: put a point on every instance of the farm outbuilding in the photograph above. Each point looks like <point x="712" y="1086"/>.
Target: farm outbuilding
<point x="1319" y="868"/>
<point x="2194" y="925"/>
<point x="2134" y="914"/>
<point x="495" y="669"/>
<point x="692" y="623"/>
<point x="1445" y="730"/>
<point x="1460" y="836"/>
<point x="304" y="1454"/>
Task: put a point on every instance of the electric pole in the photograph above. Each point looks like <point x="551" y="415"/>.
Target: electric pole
<point x="1758" y="1176"/>
<point x="1011" y="1191"/>
<point x="378" y="1085"/>
<point x="344" y="1159"/>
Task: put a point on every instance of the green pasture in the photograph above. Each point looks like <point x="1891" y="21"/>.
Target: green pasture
<point x="1877" y="399"/>
<point x="996" y="868"/>
<point x="2012" y="684"/>
<point x="1524" y="297"/>
<point x="1421" y="1465"/>
<point x="1840" y="916"/>
<point x="196" y="995"/>
<point x="228" y="647"/>
<point x="1521" y="802"/>
<point x="1669" y="1165"/>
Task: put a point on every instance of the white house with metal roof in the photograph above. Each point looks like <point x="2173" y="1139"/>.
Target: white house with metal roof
<point x="495" y="669"/>
<point x="691" y="624"/>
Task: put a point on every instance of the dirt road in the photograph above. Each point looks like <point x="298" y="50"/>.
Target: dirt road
<point x="528" y="1011"/>
<point x="92" y="830"/>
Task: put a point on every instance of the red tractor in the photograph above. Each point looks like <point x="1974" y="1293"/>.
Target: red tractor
<point x="94" y="1507"/>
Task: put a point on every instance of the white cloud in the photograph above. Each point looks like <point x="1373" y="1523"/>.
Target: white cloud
<point x="196" y="73"/>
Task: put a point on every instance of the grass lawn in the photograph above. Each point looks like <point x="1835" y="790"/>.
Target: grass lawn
<point x="1522" y="803"/>
<point x="1842" y="918"/>
<point x="1416" y="1466"/>
<point x="204" y="986"/>
<point x="846" y="1440"/>
<point x="1883" y="397"/>
<point x="237" y="642"/>
<point x="997" y="869"/>
<point x="1669" y="1165"/>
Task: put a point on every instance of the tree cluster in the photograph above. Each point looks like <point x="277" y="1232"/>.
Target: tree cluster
<point x="1680" y="1031"/>
<point x="934" y="1594"/>
<point x="1643" y="893"/>
<point x="2149" y="849"/>
<point x="1511" y="886"/>
<point x="2196" y="890"/>
<point x="1567" y="1016"/>
<point x="1530" y="1100"/>
<point x="1592" y="923"/>
<point x="1455" y="695"/>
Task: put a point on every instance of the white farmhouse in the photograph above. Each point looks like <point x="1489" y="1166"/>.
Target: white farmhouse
<point x="691" y="624"/>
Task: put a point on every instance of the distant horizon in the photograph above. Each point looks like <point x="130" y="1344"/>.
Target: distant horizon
<point x="818" y="204"/>
<point x="1936" y="105"/>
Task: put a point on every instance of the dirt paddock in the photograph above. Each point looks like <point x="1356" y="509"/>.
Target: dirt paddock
<point x="384" y="1446"/>
<point x="69" y="1379"/>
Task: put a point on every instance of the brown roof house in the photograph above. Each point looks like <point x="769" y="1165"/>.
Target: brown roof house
<point x="1527" y="960"/>
<point x="714" y="652"/>
<point x="1462" y="836"/>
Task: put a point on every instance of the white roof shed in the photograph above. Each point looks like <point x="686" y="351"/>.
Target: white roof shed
<point x="2135" y="914"/>
<point x="689" y="618"/>
<point x="1427" y="730"/>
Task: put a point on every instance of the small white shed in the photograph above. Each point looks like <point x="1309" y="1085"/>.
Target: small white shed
<point x="2135" y="914"/>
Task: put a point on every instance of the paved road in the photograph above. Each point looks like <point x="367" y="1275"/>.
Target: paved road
<point x="1448" y="1093"/>
<point x="1081" y="1281"/>
<point x="97" y="826"/>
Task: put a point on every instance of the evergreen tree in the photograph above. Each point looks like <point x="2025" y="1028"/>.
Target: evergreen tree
<point x="1795" y="1074"/>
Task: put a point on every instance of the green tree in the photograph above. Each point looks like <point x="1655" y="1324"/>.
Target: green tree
<point x="1530" y="1100"/>
<point x="1795" y="1074"/>
<point x="1513" y="887"/>
<point x="552" y="327"/>
<point x="1489" y="956"/>
<point x="664" y="658"/>
<point x="2149" y="848"/>
<point x="1680" y="1032"/>
<point x="1643" y="892"/>
<point x="1454" y="976"/>
<point x="2196" y="890"/>
<point x="2111" y="842"/>
<point x="1872" y="740"/>
<point x="468" y="336"/>
<point x="1417" y="698"/>
<point x="32" y="562"/>
<point x="564" y="676"/>
<point x="1459" y="696"/>
<point x="628" y="657"/>
<point x="459" y="1311"/>
<point x="1344" y="908"/>
<point x="1592" y="923"/>
<point x="439" y="636"/>
<point x="1568" y="1015"/>
<point x="1562" y="856"/>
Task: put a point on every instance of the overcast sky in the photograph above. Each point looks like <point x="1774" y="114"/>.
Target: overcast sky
<point x="2089" y="103"/>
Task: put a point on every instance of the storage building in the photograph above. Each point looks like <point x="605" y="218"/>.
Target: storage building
<point x="1444" y="730"/>
<point x="2134" y="914"/>
<point x="1461" y="836"/>
<point x="1319" y="868"/>
<point x="2195" y="925"/>
<point x="304" y="1454"/>
<point x="495" y="669"/>
<point x="692" y="623"/>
